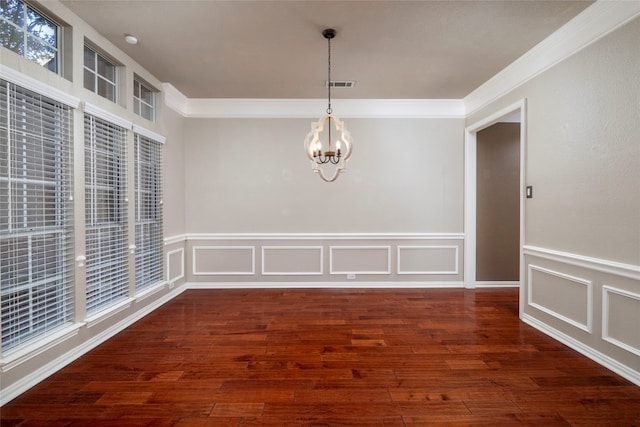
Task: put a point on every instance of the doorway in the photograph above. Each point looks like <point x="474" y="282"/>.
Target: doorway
<point x="515" y="113"/>
<point x="498" y="203"/>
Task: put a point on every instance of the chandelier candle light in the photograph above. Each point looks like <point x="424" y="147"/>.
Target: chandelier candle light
<point x="330" y="162"/>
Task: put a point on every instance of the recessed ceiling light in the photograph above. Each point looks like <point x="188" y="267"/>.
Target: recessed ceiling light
<point x="130" y="39"/>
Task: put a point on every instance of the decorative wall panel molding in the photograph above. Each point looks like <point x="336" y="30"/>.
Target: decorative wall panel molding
<point x="175" y="262"/>
<point x="292" y="260"/>
<point x="428" y="259"/>
<point x="562" y="296"/>
<point x="617" y="316"/>
<point x="360" y="259"/>
<point x="320" y="257"/>
<point x="223" y="260"/>
<point x="621" y="318"/>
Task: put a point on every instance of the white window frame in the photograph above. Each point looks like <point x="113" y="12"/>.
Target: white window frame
<point x="139" y="102"/>
<point x="35" y="206"/>
<point x="95" y="75"/>
<point x="28" y="37"/>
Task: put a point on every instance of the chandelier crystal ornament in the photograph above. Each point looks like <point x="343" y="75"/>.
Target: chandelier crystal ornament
<point x="328" y="161"/>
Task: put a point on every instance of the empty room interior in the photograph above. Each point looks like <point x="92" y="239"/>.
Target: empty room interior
<point x="183" y="242"/>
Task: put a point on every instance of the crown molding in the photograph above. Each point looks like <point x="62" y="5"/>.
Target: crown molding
<point x="595" y="22"/>
<point x="310" y="108"/>
<point x="174" y="99"/>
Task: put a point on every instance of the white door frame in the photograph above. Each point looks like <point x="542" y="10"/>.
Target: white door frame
<point x="470" y="169"/>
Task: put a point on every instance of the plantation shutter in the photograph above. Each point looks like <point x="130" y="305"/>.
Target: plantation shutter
<point x="105" y="213"/>
<point x="36" y="215"/>
<point x="148" y="189"/>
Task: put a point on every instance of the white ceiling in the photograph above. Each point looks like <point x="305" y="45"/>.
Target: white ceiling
<point x="275" y="49"/>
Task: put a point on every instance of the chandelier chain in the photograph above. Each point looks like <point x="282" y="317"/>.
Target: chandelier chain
<point x="329" y="110"/>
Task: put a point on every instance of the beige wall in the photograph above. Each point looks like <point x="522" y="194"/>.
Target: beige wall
<point x="252" y="175"/>
<point x="174" y="175"/>
<point x="498" y="203"/>
<point x="583" y="155"/>
<point x="582" y="231"/>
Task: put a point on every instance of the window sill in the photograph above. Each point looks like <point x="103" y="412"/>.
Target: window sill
<point x="23" y="354"/>
<point x="147" y="292"/>
<point x="108" y="312"/>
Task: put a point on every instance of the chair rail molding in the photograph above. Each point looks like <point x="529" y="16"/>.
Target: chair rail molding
<point x="602" y="265"/>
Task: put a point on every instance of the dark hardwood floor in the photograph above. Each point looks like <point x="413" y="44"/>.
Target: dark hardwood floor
<point x="330" y="358"/>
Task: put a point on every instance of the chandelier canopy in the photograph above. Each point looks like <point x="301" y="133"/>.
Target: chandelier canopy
<point x="329" y="161"/>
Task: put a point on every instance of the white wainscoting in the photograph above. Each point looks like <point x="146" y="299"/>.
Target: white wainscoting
<point x="223" y="260"/>
<point x="562" y="296"/>
<point x="292" y="260"/>
<point x="563" y="286"/>
<point x="175" y="262"/>
<point x="621" y="318"/>
<point x="428" y="259"/>
<point x="360" y="259"/>
<point x="313" y="259"/>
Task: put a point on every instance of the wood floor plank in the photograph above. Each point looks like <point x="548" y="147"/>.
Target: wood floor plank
<point x="237" y="410"/>
<point x="330" y="357"/>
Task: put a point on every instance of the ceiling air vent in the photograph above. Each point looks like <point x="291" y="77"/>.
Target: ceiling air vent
<point x="340" y="83"/>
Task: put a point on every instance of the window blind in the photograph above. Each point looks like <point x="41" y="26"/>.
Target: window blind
<point x="105" y="213"/>
<point x="148" y="189"/>
<point x="36" y="215"/>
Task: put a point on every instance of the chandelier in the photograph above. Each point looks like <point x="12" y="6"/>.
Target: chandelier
<point x="330" y="161"/>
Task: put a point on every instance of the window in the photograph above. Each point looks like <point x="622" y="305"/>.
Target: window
<point x="99" y="74"/>
<point x="143" y="100"/>
<point x="105" y="213"/>
<point x="36" y="223"/>
<point x="29" y="33"/>
<point x="148" y="186"/>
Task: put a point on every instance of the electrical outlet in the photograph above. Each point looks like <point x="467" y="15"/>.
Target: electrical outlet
<point x="170" y="285"/>
<point x="351" y="276"/>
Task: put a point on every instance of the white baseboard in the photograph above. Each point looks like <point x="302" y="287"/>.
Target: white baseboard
<point x="598" y="357"/>
<point x="497" y="284"/>
<point x="323" y="285"/>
